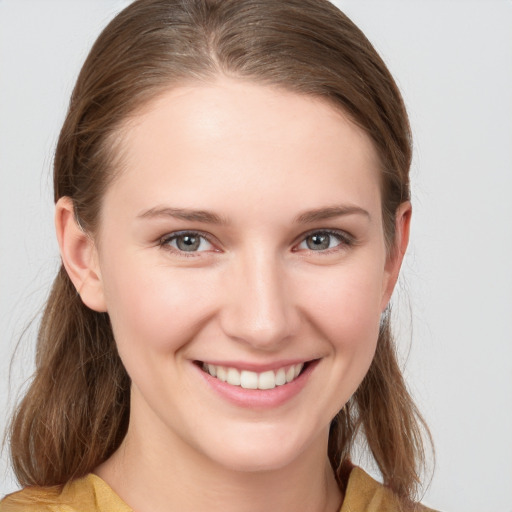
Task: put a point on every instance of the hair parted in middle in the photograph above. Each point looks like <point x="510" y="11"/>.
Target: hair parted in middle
<point x="75" y="413"/>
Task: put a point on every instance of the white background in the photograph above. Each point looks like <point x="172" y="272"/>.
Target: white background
<point x="453" y="62"/>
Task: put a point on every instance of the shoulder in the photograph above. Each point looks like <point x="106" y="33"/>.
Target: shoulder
<point x="364" y="494"/>
<point x="88" y="493"/>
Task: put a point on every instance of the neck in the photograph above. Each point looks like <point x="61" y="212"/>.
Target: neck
<point x="152" y="473"/>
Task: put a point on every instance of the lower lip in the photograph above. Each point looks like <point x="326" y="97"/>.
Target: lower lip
<point x="259" y="398"/>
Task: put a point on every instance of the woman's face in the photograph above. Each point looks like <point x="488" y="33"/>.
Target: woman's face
<point x="242" y="247"/>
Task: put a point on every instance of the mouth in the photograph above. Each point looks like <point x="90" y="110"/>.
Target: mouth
<point x="247" y="379"/>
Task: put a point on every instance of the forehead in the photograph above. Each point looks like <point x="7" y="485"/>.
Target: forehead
<point x="235" y="137"/>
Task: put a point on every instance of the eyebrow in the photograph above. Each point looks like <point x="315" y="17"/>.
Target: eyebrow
<point x="184" y="214"/>
<point x="208" y="217"/>
<point x="329" y="213"/>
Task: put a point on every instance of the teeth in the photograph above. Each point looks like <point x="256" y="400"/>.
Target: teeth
<point x="280" y="377"/>
<point x="267" y="380"/>
<point x="248" y="380"/>
<point x="252" y="380"/>
<point x="233" y="377"/>
<point x="221" y="373"/>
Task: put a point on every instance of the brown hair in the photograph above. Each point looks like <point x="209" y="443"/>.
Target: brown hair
<point x="75" y="413"/>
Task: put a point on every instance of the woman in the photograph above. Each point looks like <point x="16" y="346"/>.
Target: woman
<point x="232" y="209"/>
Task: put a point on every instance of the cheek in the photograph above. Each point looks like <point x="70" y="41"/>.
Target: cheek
<point x="156" y="309"/>
<point x="346" y="304"/>
<point x="345" y="310"/>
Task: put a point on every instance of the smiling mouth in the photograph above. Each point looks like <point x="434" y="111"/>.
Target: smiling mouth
<point x="253" y="380"/>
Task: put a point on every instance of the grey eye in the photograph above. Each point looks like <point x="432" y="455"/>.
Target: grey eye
<point x="323" y="240"/>
<point x="319" y="241"/>
<point x="188" y="242"/>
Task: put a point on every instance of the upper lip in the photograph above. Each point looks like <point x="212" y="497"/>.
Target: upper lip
<point x="255" y="367"/>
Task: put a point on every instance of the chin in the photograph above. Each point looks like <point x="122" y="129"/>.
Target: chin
<point x="257" y="461"/>
<point x="262" y="450"/>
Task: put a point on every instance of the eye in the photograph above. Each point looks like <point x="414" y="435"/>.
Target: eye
<point x="186" y="241"/>
<point x="324" y="240"/>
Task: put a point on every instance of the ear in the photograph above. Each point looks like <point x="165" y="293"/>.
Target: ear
<point x="79" y="256"/>
<point x="397" y="251"/>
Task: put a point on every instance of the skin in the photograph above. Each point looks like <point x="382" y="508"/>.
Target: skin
<point x="254" y="294"/>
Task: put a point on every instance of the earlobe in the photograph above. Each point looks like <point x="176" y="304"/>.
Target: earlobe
<point x="397" y="252"/>
<point x="79" y="256"/>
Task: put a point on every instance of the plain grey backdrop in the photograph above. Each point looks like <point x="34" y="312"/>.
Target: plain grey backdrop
<point x="453" y="62"/>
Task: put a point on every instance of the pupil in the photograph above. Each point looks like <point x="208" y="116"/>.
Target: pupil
<point x="316" y="242"/>
<point x="187" y="243"/>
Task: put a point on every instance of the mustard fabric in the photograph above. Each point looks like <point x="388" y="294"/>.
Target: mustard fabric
<point x="92" y="494"/>
<point x="88" y="494"/>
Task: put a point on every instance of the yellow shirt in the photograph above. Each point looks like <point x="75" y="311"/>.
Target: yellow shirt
<point x="92" y="494"/>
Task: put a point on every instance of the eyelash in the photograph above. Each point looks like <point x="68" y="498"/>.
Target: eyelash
<point x="345" y="240"/>
<point x="165" y="241"/>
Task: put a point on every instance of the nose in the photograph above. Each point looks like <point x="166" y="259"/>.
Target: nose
<point x="259" y="309"/>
